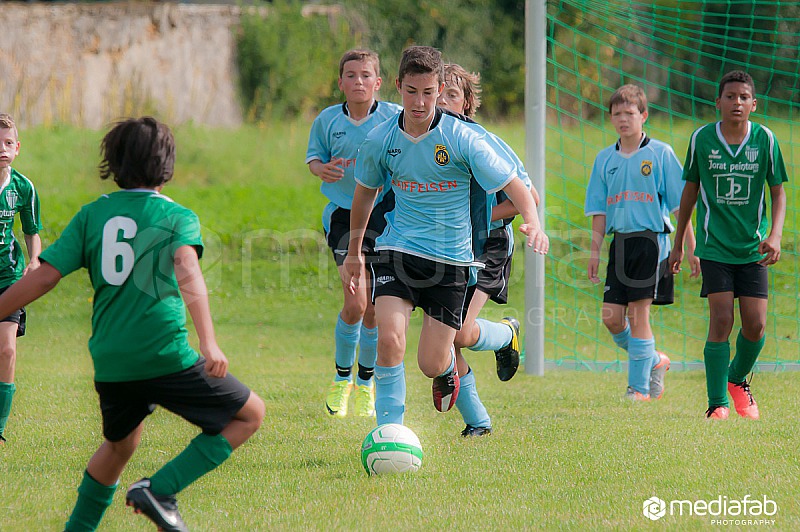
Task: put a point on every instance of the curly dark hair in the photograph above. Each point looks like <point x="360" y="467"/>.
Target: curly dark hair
<point x="737" y="76"/>
<point x="138" y="152"/>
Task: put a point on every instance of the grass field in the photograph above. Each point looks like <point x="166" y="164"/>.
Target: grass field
<point x="566" y="453"/>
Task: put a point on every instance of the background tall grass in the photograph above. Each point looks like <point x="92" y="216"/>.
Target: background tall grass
<point x="567" y="452"/>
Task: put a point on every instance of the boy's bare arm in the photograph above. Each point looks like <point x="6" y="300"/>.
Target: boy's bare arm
<point x="598" y="234"/>
<point x="689" y="247"/>
<point x="329" y="172"/>
<point x="34" y="245"/>
<point x="506" y="208"/>
<point x="771" y="246"/>
<point x="195" y="294"/>
<point x="688" y="201"/>
<point x="519" y="194"/>
<point x="30" y="288"/>
<point x="363" y="200"/>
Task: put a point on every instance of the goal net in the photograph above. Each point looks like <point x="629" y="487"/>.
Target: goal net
<point x="677" y="51"/>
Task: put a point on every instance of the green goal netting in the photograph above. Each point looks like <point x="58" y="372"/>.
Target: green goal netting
<point x="677" y="51"/>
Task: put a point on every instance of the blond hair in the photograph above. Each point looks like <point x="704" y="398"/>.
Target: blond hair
<point x="627" y="95"/>
<point x="468" y="82"/>
<point x="7" y="122"/>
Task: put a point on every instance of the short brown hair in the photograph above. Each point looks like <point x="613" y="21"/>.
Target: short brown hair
<point x="421" y="60"/>
<point x="7" y="122"/>
<point x="368" y="56"/>
<point x="138" y="152"/>
<point x="735" y="76"/>
<point x="629" y="94"/>
<point x="468" y="82"/>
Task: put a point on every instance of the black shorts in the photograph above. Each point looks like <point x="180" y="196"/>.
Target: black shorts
<point x="18" y="316"/>
<point x="338" y="235"/>
<point x="748" y="280"/>
<point x="437" y="288"/>
<point x="634" y="271"/>
<point x="205" y="401"/>
<point x="493" y="279"/>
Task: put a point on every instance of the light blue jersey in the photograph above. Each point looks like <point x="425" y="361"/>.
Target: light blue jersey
<point x="433" y="177"/>
<point x="636" y="191"/>
<point x="500" y="197"/>
<point x="334" y="134"/>
<point x="521" y="173"/>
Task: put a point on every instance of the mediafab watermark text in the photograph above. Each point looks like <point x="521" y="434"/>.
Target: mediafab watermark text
<point x="723" y="510"/>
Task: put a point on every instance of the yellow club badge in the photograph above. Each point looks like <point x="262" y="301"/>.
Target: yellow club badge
<point x="440" y="155"/>
<point x="647" y="168"/>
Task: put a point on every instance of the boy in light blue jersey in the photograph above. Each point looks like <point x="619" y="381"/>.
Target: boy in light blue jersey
<point x="461" y="95"/>
<point x="435" y="161"/>
<point x="634" y="186"/>
<point x="333" y="144"/>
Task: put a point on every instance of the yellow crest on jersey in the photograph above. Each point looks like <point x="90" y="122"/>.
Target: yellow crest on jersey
<point x="647" y="168"/>
<point x="440" y="155"/>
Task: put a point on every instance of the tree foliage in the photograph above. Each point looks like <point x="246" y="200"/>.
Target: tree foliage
<point x="288" y="62"/>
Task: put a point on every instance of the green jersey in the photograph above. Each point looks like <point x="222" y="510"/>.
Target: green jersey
<point x="732" y="216"/>
<point x="127" y="241"/>
<point x="17" y="195"/>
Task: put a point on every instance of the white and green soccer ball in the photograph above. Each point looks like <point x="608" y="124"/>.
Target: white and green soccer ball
<point x="391" y="448"/>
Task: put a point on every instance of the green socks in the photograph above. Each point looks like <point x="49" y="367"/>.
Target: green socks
<point x="93" y="499"/>
<point x="717" y="355"/>
<point x="203" y="454"/>
<point x="746" y="354"/>
<point x="7" y="390"/>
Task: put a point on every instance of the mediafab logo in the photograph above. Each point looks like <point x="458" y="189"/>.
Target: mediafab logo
<point x="747" y="510"/>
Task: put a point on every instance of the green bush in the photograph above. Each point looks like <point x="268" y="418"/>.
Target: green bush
<point x="287" y="62"/>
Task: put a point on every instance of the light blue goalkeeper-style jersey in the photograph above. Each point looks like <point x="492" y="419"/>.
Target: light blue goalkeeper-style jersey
<point x="636" y="191"/>
<point x="521" y="173"/>
<point x="334" y="134"/>
<point x="435" y="178"/>
<point x="500" y="197"/>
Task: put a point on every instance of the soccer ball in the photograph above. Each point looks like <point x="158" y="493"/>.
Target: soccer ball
<point x="391" y="448"/>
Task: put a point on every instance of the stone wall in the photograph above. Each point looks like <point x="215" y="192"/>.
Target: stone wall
<point x="88" y="64"/>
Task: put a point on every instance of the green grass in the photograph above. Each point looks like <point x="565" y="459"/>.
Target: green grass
<point x="567" y="452"/>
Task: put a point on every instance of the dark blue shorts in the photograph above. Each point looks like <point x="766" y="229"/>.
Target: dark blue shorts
<point x="749" y="280"/>
<point x="493" y="279"/>
<point x="634" y="272"/>
<point x="338" y="235"/>
<point x="437" y="288"/>
<point x="207" y="402"/>
<point x="18" y="316"/>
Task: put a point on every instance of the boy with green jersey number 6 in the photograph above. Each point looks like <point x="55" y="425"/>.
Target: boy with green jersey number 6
<point x="17" y="195"/>
<point x="141" y="250"/>
<point x="728" y="164"/>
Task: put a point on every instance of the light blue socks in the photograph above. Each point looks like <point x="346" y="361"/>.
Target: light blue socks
<point x="641" y="358"/>
<point x="623" y="338"/>
<point x="390" y="394"/>
<point x="346" y="339"/>
<point x="367" y="350"/>
<point x="494" y="336"/>
<point x="470" y="405"/>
